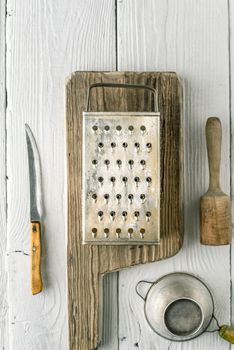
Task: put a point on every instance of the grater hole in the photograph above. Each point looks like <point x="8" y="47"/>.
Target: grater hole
<point x="106" y="232"/>
<point x="94" y="127"/>
<point x="148" y="214"/>
<point x="113" y="144"/>
<point x="130" y="231"/>
<point x="112" y="213"/>
<point x="131" y="128"/>
<point x="118" y="231"/>
<point x="106" y="196"/>
<point x="130" y="196"/>
<point x="106" y="162"/>
<point x="131" y="162"/>
<point x="124" y="214"/>
<point x="100" y="145"/>
<point x="142" y="230"/>
<point x="149" y="145"/>
<point x="125" y="179"/>
<point x="119" y="162"/>
<point x="136" y="179"/>
<point x="142" y="162"/>
<point x="118" y="127"/>
<point x="148" y="179"/>
<point x="94" y="196"/>
<point x="100" y="179"/>
<point x="118" y="196"/>
<point x="112" y="179"/>
<point x="106" y="128"/>
<point x="125" y="145"/>
<point x="94" y="230"/>
<point x="143" y="128"/>
<point x="100" y="213"/>
<point x="94" y="162"/>
<point x="136" y="214"/>
<point x="137" y="145"/>
<point x="142" y="196"/>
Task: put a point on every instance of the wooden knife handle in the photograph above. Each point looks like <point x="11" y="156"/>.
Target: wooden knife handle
<point x="213" y="140"/>
<point x="36" y="280"/>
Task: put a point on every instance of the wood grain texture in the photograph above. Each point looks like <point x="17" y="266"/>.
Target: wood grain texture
<point x="182" y="36"/>
<point x="35" y="253"/>
<point x="3" y="197"/>
<point x="46" y="41"/>
<point x="87" y="263"/>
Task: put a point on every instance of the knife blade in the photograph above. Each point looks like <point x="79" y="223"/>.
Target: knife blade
<point x="36" y="211"/>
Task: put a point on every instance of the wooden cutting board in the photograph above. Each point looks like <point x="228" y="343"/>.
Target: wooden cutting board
<point x="86" y="264"/>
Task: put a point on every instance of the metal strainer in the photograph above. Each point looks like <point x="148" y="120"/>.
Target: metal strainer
<point x="178" y="306"/>
<point x="121" y="175"/>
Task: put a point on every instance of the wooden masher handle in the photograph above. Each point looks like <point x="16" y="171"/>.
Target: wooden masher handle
<point x="214" y="140"/>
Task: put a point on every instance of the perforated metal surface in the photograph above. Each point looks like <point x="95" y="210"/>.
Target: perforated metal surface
<point x="121" y="178"/>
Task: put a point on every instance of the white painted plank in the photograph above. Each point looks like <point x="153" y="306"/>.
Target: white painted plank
<point x="3" y="197"/>
<point x="110" y="311"/>
<point x="191" y="38"/>
<point x="46" y="41"/>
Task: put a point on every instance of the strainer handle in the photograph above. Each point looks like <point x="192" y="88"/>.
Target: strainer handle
<point x="137" y="291"/>
<point x="123" y="86"/>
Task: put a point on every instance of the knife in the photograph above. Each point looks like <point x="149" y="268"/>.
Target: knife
<point x="36" y="211"/>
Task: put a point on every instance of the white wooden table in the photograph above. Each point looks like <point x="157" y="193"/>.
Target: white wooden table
<point x="41" y="43"/>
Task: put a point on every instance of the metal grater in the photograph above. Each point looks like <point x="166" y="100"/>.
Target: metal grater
<point x="121" y="175"/>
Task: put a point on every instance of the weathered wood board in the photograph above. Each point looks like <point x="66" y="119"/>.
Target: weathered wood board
<point x="86" y="264"/>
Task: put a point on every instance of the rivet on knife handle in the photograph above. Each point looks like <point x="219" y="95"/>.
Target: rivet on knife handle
<point x="36" y="280"/>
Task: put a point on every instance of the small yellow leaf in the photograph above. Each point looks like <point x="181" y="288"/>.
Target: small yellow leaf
<point x="227" y="333"/>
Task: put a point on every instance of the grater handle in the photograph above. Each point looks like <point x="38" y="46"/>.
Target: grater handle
<point x="124" y="86"/>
